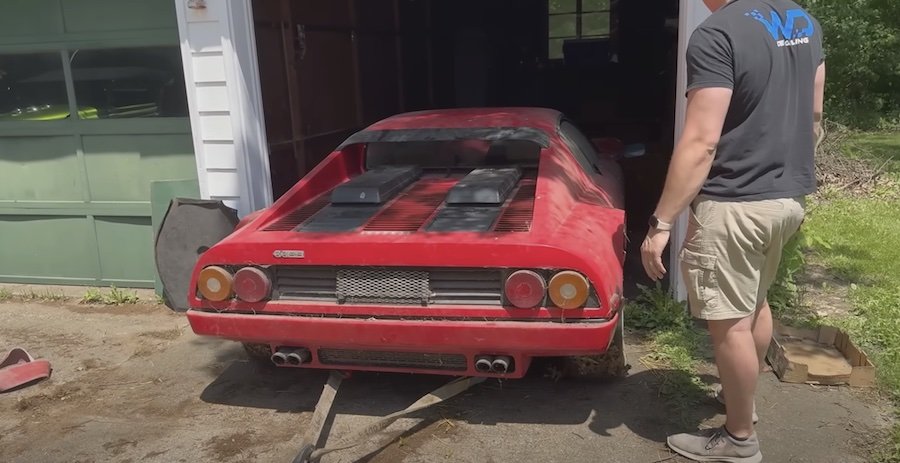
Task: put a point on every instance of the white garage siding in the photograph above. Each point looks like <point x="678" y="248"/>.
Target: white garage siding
<point x="219" y="55"/>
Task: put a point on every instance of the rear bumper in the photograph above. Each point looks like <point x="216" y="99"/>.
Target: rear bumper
<point x="519" y="340"/>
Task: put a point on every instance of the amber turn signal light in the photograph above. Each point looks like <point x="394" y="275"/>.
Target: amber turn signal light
<point x="569" y="290"/>
<point x="215" y="283"/>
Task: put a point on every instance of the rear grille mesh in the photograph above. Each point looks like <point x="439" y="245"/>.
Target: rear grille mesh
<point x="427" y="361"/>
<point x="306" y="283"/>
<point x="397" y="286"/>
<point x="382" y="286"/>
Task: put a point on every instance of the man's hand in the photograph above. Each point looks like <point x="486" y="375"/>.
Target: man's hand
<point x="651" y="253"/>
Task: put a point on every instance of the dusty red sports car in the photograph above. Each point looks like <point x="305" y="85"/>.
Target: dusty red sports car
<point x="457" y="242"/>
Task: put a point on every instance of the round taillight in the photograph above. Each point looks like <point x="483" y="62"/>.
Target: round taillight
<point x="525" y="289"/>
<point x="252" y="284"/>
<point x="569" y="290"/>
<point x="215" y="283"/>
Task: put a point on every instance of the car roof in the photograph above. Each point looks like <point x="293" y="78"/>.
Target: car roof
<point x="546" y="120"/>
<point x="492" y="124"/>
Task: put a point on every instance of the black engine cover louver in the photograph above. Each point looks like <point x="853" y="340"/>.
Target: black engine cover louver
<point x="356" y="201"/>
<point x="484" y="187"/>
<point x="464" y="219"/>
<point x="376" y="186"/>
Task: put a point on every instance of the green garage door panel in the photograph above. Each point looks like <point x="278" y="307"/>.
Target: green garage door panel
<point x="47" y="248"/>
<point x="121" y="167"/>
<point x="126" y="250"/>
<point x="39" y="169"/>
<point x="29" y="17"/>
<point x="118" y="15"/>
<point x="75" y="192"/>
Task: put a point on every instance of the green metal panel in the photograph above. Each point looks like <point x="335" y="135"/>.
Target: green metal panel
<point x="39" y="169"/>
<point x="75" y="195"/>
<point x="121" y="167"/>
<point x="30" y="17"/>
<point x="41" y="248"/>
<point x="117" y="15"/>
<point x="126" y="250"/>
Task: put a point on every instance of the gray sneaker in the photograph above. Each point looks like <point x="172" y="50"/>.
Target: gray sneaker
<point x="721" y="398"/>
<point x="715" y="445"/>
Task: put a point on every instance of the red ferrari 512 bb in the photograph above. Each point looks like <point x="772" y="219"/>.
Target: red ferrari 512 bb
<point x="457" y="242"/>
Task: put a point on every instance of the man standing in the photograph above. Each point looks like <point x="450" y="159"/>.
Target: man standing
<point x="743" y="164"/>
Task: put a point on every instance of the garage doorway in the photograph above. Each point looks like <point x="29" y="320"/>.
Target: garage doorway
<point x="331" y="68"/>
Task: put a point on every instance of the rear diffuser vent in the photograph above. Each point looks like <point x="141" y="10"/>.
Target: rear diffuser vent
<point x="299" y="215"/>
<point x="410" y="211"/>
<point x="517" y="217"/>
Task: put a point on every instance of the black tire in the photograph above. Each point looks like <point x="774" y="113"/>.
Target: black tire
<point x="260" y="354"/>
<point x="609" y="365"/>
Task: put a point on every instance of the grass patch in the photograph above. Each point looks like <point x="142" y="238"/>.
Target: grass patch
<point x="92" y="296"/>
<point x="42" y="296"/>
<point x="677" y="347"/>
<point x="115" y="296"/>
<point x="880" y="148"/>
<point x="859" y="243"/>
<point x="31" y="295"/>
<point x="864" y="251"/>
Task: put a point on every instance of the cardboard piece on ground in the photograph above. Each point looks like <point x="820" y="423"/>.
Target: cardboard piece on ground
<point x="822" y="356"/>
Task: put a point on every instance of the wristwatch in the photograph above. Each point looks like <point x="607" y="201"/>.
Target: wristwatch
<point x="659" y="224"/>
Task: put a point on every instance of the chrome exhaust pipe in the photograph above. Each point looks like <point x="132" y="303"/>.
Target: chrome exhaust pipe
<point x="279" y="358"/>
<point x="483" y="364"/>
<point x="298" y="357"/>
<point x="501" y="364"/>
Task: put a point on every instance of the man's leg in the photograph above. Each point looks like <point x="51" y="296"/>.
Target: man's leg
<point x="762" y="332"/>
<point x="738" y="364"/>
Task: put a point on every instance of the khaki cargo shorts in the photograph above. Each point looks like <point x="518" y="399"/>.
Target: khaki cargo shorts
<point x="732" y="251"/>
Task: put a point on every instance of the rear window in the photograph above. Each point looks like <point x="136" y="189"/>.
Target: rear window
<point x="453" y="154"/>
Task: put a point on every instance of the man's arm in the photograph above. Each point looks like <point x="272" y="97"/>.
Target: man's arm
<point x="819" y="104"/>
<point x="694" y="154"/>
<point x="689" y="168"/>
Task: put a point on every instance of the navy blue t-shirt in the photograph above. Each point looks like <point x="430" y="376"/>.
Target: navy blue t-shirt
<point x="767" y="52"/>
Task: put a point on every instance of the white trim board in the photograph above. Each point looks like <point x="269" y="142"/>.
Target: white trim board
<point x="218" y="50"/>
<point x="692" y="13"/>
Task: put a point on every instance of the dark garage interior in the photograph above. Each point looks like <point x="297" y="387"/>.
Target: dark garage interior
<point x="331" y="68"/>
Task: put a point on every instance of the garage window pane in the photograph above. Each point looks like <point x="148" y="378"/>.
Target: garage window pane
<point x="32" y="87"/>
<point x="556" y="48"/>
<point x="563" y="25"/>
<point x="129" y="82"/>
<point x="595" y="5"/>
<point x="594" y="24"/>
<point x="562" y="6"/>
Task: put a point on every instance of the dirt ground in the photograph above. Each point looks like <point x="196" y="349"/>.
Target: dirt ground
<point x="133" y="384"/>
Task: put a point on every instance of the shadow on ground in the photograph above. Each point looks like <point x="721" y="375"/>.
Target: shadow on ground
<point x="634" y="401"/>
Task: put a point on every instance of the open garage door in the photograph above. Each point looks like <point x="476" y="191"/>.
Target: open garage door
<point x="330" y="68"/>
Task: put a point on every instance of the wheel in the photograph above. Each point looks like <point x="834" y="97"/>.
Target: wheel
<point x="259" y="353"/>
<point x="611" y="364"/>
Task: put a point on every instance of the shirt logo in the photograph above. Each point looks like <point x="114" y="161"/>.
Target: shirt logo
<point x="787" y="31"/>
